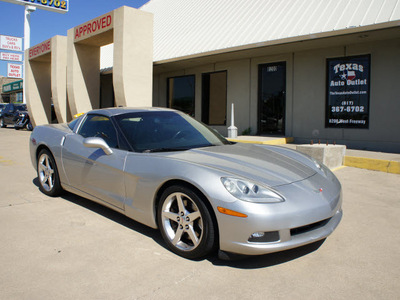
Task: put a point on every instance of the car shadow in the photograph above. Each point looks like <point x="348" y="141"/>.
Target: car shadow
<point x="111" y="215"/>
<point x="237" y="261"/>
<point x="267" y="260"/>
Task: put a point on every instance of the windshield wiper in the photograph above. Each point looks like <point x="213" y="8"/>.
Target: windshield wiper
<point x="165" y="150"/>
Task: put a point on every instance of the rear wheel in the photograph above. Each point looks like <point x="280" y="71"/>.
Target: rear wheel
<point x="185" y="222"/>
<point x="49" y="179"/>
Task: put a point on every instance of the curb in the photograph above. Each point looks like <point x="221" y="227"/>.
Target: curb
<point x="280" y="141"/>
<point x="388" y="166"/>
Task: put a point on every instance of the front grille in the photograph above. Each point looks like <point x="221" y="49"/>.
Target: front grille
<point x="307" y="228"/>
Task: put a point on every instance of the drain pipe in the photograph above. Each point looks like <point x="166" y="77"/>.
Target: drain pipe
<point x="232" y="130"/>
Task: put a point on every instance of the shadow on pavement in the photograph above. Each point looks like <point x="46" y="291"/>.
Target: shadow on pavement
<point x="239" y="261"/>
<point x="268" y="260"/>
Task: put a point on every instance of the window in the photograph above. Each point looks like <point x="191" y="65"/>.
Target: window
<point x="214" y="98"/>
<point x="272" y="98"/>
<point x="19" y="97"/>
<point x="99" y="126"/>
<point x="181" y="94"/>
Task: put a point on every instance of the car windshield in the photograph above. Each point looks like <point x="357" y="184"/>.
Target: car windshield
<point x="160" y="131"/>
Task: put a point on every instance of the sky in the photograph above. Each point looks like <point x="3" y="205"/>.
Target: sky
<point x="46" y="24"/>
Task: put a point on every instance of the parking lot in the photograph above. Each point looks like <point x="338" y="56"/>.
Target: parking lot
<point x="72" y="248"/>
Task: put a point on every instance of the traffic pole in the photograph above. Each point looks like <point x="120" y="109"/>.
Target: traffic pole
<point x="27" y="42"/>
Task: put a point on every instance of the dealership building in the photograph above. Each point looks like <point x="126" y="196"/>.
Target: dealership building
<point x="323" y="70"/>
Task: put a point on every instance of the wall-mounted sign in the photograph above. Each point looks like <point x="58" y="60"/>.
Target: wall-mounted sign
<point x="13" y="87"/>
<point x="10" y="56"/>
<point x="40" y="49"/>
<point x="14" y="70"/>
<point x="10" y="43"/>
<point x="51" y="5"/>
<point x="348" y="85"/>
<point x="93" y="27"/>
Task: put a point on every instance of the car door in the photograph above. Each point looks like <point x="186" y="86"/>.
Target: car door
<point x="91" y="170"/>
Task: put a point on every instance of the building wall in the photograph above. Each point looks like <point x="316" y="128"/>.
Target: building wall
<point x="306" y="91"/>
<point x="384" y="107"/>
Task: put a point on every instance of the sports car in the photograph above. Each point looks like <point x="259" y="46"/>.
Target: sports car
<point x="166" y="170"/>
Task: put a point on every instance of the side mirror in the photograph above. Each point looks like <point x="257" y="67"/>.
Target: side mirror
<point x="96" y="142"/>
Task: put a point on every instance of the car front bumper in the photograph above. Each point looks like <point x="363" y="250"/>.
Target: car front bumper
<point x="285" y="238"/>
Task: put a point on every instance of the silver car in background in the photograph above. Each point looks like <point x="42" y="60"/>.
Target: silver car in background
<point x="166" y="170"/>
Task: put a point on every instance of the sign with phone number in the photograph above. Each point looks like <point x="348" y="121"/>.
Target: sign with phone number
<point x="60" y="6"/>
<point x="348" y="92"/>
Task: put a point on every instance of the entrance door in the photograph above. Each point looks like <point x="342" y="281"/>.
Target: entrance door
<point x="272" y="98"/>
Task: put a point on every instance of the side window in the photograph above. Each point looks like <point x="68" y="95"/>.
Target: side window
<point x="99" y="126"/>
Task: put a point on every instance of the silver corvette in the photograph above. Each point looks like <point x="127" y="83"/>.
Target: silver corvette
<point x="164" y="169"/>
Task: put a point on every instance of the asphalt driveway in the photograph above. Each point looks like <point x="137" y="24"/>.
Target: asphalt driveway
<point x="71" y="248"/>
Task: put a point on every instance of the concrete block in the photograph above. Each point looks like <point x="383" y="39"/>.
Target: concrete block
<point x="330" y="155"/>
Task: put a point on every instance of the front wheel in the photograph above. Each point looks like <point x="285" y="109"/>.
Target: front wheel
<point x="29" y="126"/>
<point x="49" y="179"/>
<point x="2" y="124"/>
<point x="185" y="222"/>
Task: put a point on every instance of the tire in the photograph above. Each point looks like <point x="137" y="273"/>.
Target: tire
<point x="49" y="180"/>
<point x="29" y="126"/>
<point x="185" y="223"/>
<point x="2" y="124"/>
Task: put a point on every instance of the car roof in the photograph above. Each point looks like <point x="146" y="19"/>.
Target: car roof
<point x="114" y="111"/>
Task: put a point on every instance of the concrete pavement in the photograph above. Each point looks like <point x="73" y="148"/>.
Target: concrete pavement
<point x="71" y="248"/>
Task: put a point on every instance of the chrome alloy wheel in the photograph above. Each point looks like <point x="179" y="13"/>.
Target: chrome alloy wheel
<point x="182" y="221"/>
<point x="46" y="172"/>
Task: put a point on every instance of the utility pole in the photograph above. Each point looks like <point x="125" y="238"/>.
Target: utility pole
<point x="27" y="41"/>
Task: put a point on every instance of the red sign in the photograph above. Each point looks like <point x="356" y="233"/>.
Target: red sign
<point x="94" y="26"/>
<point x="14" y="70"/>
<point x="10" y="56"/>
<point x="40" y="49"/>
<point x="10" y="43"/>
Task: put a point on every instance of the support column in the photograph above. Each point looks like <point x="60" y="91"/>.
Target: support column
<point x="83" y="75"/>
<point x="59" y="78"/>
<point x="133" y="57"/>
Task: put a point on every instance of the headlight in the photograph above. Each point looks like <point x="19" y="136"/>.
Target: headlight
<point x="248" y="191"/>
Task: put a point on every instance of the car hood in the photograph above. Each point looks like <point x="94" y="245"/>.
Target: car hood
<point x="249" y="161"/>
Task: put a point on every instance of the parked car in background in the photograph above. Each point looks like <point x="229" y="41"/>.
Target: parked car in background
<point x="16" y="115"/>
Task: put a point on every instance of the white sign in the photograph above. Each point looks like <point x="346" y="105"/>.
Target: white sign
<point x="10" y="56"/>
<point x="10" y="43"/>
<point x="14" y="70"/>
<point x="60" y="6"/>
